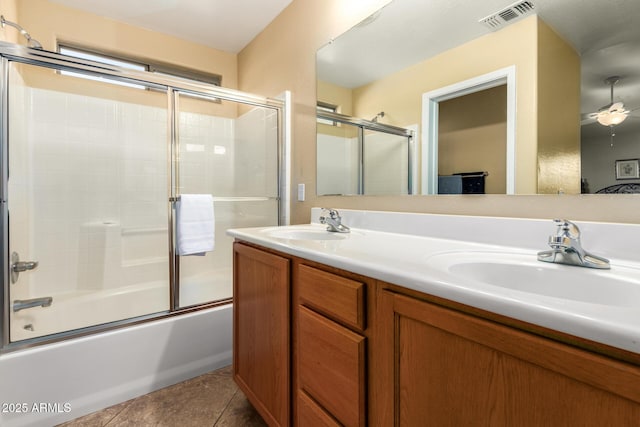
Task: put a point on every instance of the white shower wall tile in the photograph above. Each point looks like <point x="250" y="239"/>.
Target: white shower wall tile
<point x="337" y="157"/>
<point x="96" y="171"/>
<point x="77" y="176"/>
<point x="256" y="164"/>
<point x="201" y="169"/>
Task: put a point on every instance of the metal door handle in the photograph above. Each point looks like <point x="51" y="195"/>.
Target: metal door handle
<point x="18" y="266"/>
<point x="24" y="266"/>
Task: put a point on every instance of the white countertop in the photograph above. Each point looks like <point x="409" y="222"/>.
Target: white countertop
<point x="412" y="262"/>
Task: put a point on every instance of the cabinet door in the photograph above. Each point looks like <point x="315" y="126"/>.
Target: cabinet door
<point x="449" y="368"/>
<point x="261" y="331"/>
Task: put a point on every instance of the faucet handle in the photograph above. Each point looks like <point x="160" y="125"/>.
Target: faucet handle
<point x="567" y="228"/>
<point x="333" y="221"/>
<point x="333" y="214"/>
<point x="567" y="236"/>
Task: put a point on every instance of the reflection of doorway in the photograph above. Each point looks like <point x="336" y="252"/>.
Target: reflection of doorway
<point x="430" y="110"/>
<point x="472" y="139"/>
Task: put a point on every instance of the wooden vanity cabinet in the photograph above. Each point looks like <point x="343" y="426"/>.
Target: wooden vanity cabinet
<point x="444" y="367"/>
<point x="261" y="337"/>
<point x="300" y="344"/>
<point x="318" y="346"/>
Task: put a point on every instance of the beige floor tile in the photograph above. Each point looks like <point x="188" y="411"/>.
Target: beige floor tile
<point x="97" y="419"/>
<point x="240" y="413"/>
<point x="198" y="402"/>
<point x="208" y="400"/>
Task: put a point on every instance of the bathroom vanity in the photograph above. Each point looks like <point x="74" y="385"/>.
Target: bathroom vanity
<point x="346" y="330"/>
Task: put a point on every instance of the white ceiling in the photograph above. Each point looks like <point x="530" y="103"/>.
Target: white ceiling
<point x="227" y="25"/>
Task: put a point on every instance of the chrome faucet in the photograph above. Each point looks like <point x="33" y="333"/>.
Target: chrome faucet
<point x="567" y="249"/>
<point x="333" y="221"/>
<point x="29" y="303"/>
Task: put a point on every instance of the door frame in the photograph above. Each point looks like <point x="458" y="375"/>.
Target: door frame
<point x="430" y="109"/>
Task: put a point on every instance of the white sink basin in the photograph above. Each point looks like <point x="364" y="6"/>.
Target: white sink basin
<point x="619" y="286"/>
<point x="304" y="233"/>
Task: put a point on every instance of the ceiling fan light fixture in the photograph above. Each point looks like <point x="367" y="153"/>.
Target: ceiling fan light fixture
<point x="614" y="113"/>
<point x="611" y="117"/>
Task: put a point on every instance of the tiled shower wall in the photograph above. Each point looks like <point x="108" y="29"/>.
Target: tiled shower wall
<point x="236" y="162"/>
<point x="89" y="178"/>
<point x="337" y="164"/>
<point x="92" y="169"/>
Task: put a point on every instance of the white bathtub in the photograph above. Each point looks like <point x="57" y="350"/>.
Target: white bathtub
<point x="79" y="309"/>
<point x="78" y="376"/>
<point x="74" y="310"/>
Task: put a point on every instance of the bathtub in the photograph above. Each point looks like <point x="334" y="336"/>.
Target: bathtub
<point x="79" y="309"/>
<point x="78" y="376"/>
<point x="81" y="375"/>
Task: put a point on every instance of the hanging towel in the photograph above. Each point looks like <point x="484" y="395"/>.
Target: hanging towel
<point x="195" y="224"/>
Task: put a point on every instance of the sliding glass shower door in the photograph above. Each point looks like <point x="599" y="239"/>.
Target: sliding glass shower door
<point x="386" y="163"/>
<point x="95" y="162"/>
<point x="229" y="151"/>
<point x="86" y="200"/>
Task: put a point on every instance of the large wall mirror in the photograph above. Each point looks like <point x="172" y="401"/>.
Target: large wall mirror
<point x="493" y="97"/>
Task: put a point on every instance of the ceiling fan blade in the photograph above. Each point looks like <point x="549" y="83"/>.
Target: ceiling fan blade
<point x="587" y="119"/>
<point x="616" y="106"/>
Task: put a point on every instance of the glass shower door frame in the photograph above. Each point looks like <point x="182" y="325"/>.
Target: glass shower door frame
<point x="4" y="212"/>
<point x="15" y="53"/>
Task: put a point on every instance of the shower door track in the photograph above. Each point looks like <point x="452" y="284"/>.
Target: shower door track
<point x="10" y="52"/>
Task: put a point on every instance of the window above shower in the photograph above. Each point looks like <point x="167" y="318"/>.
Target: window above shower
<point x="132" y="63"/>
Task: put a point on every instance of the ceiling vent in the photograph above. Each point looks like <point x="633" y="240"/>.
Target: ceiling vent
<point x="510" y="14"/>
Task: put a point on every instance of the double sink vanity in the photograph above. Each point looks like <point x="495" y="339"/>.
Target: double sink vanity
<point x="418" y="319"/>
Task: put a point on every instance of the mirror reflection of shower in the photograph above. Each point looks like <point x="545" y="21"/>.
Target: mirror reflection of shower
<point x="358" y="156"/>
<point x="31" y="42"/>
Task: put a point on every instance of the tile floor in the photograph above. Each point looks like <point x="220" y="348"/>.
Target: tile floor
<point x="210" y="400"/>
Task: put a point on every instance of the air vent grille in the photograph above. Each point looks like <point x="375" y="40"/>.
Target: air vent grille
<point x="509" y="14"/>
<point x="524" y="7"/>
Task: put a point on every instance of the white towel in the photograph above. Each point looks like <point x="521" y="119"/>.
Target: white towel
<point x="195" y="224"/>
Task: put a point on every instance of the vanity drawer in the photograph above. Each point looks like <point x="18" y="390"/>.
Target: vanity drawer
<point x="334" y="296"/>
<point x="311" y="414"/>
<point x="331" y="367"/>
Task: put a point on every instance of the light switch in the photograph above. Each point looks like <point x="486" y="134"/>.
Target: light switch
<point x="301" y="192"/>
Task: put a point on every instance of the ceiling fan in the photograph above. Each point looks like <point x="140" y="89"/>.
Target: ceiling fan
<point x="613" y="113"/>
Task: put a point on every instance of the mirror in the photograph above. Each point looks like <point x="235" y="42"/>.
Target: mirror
<point x="412" y="59"/>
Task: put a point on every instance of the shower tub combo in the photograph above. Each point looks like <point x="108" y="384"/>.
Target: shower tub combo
<point x="97" y="306"/>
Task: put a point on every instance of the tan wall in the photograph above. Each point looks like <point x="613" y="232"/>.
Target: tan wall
<point x="9" y="10"/>
<point x="472" y="136"/>
<point x="336" y="95"/>
<point x="49" y="22"/>
<point x="558" y="114"/>
<point x="290" y="61"/>
<point x="283" y="57"/>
